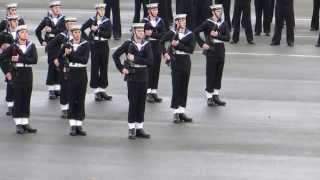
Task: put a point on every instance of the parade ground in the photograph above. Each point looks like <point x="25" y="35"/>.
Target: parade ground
<point x="269" y="130"/>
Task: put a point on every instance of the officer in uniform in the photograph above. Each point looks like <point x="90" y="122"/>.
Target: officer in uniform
<point x="6" y="40"/>
<point x="216" y="32"/>
<point x="52" y="25"/>
<point x="77" y="54"/>
<point x="155" y="29"/>
<point x="315" y="16"/>
<point x="139" y="56"/>
<point x="60" y="41"/>
<point x="10" y="30"/>
<point x="11" y="11"/>
<point x="137" y="9"/>
<point x="284" y="14"/>
<point x="22" y="54"/>
<point x="242" y="9"/>
<point x="263" y="9"/>
<point x="178" y="55"/>
<point x="116" y="21"/>
<point x="100" y="31"/>
<point x="226" y="9"/>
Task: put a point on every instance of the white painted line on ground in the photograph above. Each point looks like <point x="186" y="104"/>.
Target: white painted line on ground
<point x="271" y="54"/>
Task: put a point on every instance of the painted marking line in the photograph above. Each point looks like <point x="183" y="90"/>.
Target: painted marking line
<point x="270" y="54"/>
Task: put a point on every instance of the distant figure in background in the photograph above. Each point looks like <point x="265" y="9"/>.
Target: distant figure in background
<point x="116" y="21"/>
<point x="264" y="9"/>
<point x="315" y="16"/>
<point x="284" y="15"/>
<point x="11" y="11"/>
<point x="242" y="8"/>
<point x="137" y="9"/>
<point x="165" y="12"/>
<point x="226" y="8"/>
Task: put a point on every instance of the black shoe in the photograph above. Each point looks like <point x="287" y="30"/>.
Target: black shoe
<point x="251" y="42"/>
<point x="150" y="98"/>
<point x="98" y="97"/>
<point x="132" y="134"/>
<point x="19" y="129"/>
<point x="290" y="44"/>
<point x="210" y="102"/>
<point x="257" y="34"/>
<point x="233" y="42"/>
<point x="176" y="118"/>
<point x="64" y="114"/>
<point x="9" y="113"/>
<point x="217" y="101"/>
<point x="185" y="118"/>
<point x="156" y="98"/>
<point x="57" y="93"/>
<point x="52" y="95"/>
<point x="105" y="96"/>
<point x="313" y="29"/>
<point x="267" y="34"/>
<point x="73" y="131"/>
<point x="28" y="129"/>
<point x="140" y="133"/>
<point x="274" y="44"/>
<point x="317" y="45"/>
<point x="80" y="131"/>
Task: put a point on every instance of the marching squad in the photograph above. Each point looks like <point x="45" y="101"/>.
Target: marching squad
<point x="155" y="37"/>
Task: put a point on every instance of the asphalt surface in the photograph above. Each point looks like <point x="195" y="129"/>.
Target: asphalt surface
<point x="269" y="130"/>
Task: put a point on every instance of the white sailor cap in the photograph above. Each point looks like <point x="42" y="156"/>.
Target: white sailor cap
<point x="13" y="17"/>
<point x="70" y="19"/>
<point x="54" y="3"/>
<point x="138" y="25"/>
<point x="180" y="16"/>
<point x="22" y="27"/>
<point x="75" y="28"/>
<point x="100" y="5"/>
<point x="216" y="6"/>
<point x="12" y="5"/>
<point x="152" y="5"/>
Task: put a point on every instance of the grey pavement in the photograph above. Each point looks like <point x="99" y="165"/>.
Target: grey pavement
<point x="269" y="130"/>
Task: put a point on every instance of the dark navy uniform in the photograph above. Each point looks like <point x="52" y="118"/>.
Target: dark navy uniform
<point x="158" y="29"/>
<point x="180" y="71"/>
<point x="284" y="15"/>
<point x="242" y="9"/>
<point x="57" y="25"/>
<point x="136" y="81"/>
<point x="99" y="54"/>
<point x="215" y="56"/>
<point x="22" y="82"/>
<point x="78" y="80"/>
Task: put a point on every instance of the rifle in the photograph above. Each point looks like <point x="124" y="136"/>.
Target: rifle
<point x="209" y="39"/>
<point x="65" y="61"/>
<point x="171" y="50"/>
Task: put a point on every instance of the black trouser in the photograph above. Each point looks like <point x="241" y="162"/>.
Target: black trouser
<point x="22" y="90"/>
<point x="186" y="7"/>
<point x="243" y="10"/>
<point x="137" y="98"/>
<point x="137" y="8"/>
<point x="180" y="80"/>
<point x="226" y="9"/>
<point x="64" y="89"/>
<point x="77" y="93"/>
<point x="202" y="11"/>
<point x="99" y="64"/>
<point x="114" y="6"/>
<point x="9" y="91"/>
<point x="165" y="12"/>
<point x="284" y="15"/>
<point x="262" y="8"/>
<point x="315" y="14"/>
<point x="53" y="75"/>
<point x="154" y="72"/>
<point x="214" y="72"/>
